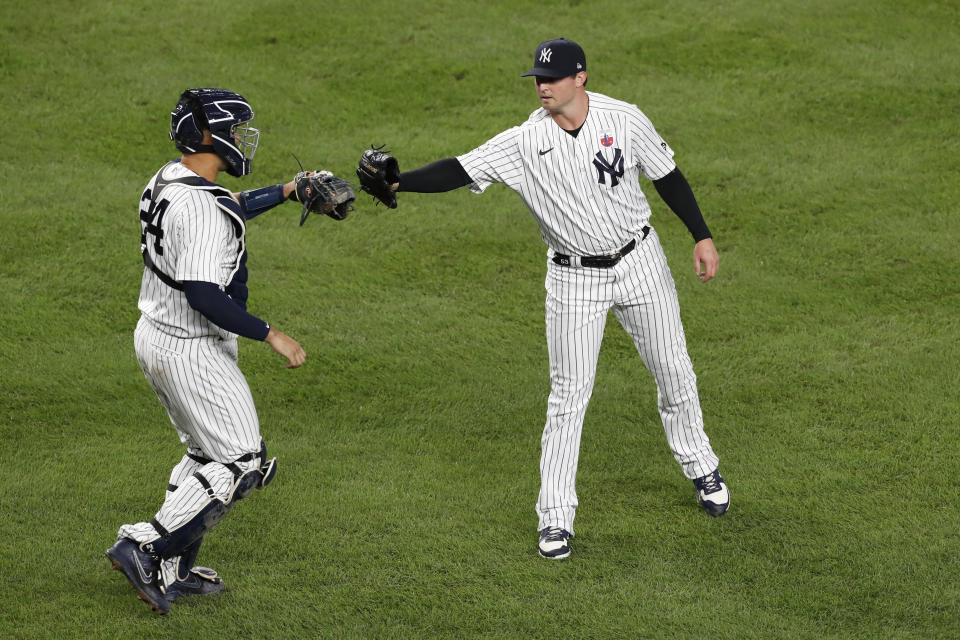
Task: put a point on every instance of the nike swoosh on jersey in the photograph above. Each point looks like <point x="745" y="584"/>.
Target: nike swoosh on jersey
<point x="543" y="153"/>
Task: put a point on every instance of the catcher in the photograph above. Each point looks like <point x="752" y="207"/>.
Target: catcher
<point x="193" y="309"/>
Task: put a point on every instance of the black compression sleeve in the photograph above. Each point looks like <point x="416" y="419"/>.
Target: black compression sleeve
<point x="442" y="175"/>
<point x="676" y="192"/>
<point x="217" y="307"/>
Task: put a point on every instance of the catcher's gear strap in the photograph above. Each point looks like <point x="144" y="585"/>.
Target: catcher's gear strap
<point x="257" y="201"/>
<point x="159" y="527"/>
<point x="443" y="175"/>
<point x="225" y="202"/>
<point x="676" y="192"/>
<point x="247" y="457"/>
<point x="164" y="278"/>
<point x="266" y="471"/>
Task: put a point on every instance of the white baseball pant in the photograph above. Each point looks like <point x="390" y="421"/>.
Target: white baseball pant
<point x="641" y="292"/>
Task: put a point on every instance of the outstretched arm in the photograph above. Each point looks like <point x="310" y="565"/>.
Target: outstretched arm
<point x="253" y="202"/>
<point x="443" y="175"/>
<point x="380" y="176"/>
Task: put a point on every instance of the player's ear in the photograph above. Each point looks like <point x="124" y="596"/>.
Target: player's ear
<point x="581" y="79"/>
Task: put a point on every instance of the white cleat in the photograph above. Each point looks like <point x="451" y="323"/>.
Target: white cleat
<point x="712" y="493"/>
<point x="554" y="543"/>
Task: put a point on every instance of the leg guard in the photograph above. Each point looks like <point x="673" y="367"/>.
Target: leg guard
<point x="253" y="478"/>
<point x="199" y="495"/>
<point x="179" y="567"/>
<point x="194" y="508"/>
<point x="203" y="500"/>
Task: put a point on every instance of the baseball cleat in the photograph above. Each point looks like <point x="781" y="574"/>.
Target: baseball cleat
<point x="554" y="543"/>
<point x="202" y="581"/>
<point x="712" y="493"/>
<point x="142" y="570"/>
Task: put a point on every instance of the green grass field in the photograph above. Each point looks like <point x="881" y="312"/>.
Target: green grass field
<point x="821" y="141"/>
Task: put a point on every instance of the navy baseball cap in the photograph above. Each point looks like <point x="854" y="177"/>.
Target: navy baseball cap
<point x="558" y="59"/>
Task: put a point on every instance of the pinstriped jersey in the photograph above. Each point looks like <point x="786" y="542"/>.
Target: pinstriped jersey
<point x="189" y="237"/>
<point x="583" y="191"/>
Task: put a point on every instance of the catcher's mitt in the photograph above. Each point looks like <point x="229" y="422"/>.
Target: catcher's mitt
<point x="377" y="171"/>
<point x="322" y="192"/>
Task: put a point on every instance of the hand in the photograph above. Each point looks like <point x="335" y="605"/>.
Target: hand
<point x="287" y="347"/>
<point x="705" y="255"/>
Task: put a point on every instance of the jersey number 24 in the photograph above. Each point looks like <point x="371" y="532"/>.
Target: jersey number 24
<point x="151" y="219"/>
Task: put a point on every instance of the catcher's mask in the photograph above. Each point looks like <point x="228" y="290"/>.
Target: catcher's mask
<point x="227" y="115"/>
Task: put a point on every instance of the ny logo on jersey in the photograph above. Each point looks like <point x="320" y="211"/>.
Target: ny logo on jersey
<point x="615" y="168"/>
<point x="545" y="55"/>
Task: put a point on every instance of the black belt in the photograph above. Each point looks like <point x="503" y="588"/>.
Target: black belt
<point x="600" y="262"/>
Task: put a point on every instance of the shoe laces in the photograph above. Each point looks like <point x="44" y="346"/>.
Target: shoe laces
<point x="555" y="534"/>
<point x="709" y="484"/>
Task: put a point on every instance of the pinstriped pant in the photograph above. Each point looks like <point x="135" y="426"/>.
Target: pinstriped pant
<point x="209" y="403"/>
<point x="199" y="383"/>
<point x="643" y="297"/>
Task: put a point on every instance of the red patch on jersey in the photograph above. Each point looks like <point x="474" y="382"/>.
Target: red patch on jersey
<point x="606" y="140"/>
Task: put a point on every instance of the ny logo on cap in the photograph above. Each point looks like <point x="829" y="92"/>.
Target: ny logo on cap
<point x="545" y="55"/>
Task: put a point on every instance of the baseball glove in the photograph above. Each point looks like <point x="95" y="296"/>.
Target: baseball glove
<point x="377" y="171"/>
<point x="322" y="192"/>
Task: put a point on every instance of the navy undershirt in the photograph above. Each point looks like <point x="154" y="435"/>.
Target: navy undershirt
<point x="448" y="174"/>
<point x="676" y="192"/>
<point x="442" y="175"/>
<point x="220" y="309"/>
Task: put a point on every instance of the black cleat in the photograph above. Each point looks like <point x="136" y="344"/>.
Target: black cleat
<point x="142" y="570"/>
<point x="202" y="581"/>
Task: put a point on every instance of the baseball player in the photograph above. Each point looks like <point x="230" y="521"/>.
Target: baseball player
<point x="576" y="162"/>
<point x="193" y="299"/>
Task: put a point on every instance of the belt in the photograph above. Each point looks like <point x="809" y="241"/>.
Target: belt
<point x="599" y="262"/>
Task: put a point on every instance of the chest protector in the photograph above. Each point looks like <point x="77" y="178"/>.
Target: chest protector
<point x="236" y="287"/>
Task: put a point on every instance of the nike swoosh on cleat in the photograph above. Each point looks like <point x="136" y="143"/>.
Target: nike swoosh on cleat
<point x="543" y="153"/>
<point x="145" y="576"/>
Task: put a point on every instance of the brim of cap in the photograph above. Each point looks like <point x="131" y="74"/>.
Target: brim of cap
<point x="546" y="73"/>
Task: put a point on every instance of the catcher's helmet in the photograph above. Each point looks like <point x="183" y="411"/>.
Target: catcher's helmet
<point x="227" y="115"/>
